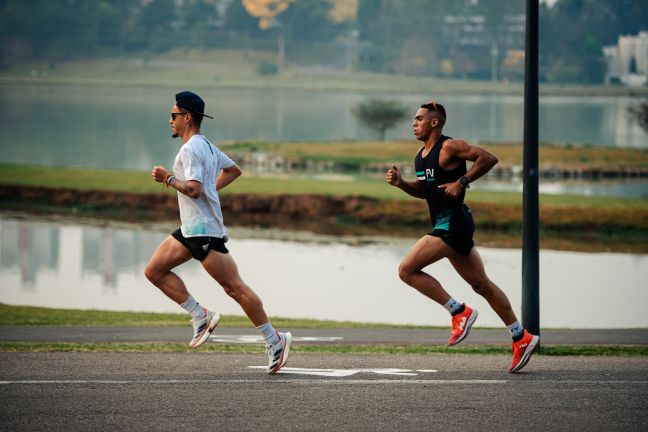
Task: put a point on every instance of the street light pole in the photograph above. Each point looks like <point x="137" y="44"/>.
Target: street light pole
<point x="530" y="204"/>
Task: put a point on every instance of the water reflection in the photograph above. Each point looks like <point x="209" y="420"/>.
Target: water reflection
<point x="30" y="248"/>
<point x="613" y="188"/>
<point x="90" y="267"/>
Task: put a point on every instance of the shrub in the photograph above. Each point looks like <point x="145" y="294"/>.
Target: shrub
<point x="267" y="67"/>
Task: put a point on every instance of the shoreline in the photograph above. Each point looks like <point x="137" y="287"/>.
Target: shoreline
<point x="335" y="217"/>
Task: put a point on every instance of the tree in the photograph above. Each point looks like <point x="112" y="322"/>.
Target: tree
<point x="198" y="17"/>
<point x="154" y="25"/>
<point x="380" y="114"/>
<point x="639" y="114"/>
<point x="239" y="21"/>
<point x="267" y="11"/>
<point x="308" y="20"/>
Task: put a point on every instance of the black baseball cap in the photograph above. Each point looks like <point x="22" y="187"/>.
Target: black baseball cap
<point x="191" y="102"/>
<point x="434" y="106"/>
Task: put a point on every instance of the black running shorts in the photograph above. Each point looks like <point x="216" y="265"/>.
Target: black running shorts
<point x="456" y="227"/>
<point x="200" y="246"/>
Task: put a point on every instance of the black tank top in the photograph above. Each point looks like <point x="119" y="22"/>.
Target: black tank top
<point x="430" y="175"/>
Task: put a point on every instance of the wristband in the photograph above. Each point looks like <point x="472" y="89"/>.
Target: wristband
<point x="464" y="182"/>
<point x="168" y="179"/>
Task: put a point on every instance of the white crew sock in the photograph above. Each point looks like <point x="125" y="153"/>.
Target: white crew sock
<point x="452" y="306"/>
<point x="193" y="307"/>
<point x="269" y="333"/>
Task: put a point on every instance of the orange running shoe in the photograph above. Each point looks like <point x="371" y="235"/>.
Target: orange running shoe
<point x="461" y="324"/>
<point x="522" y="350"/>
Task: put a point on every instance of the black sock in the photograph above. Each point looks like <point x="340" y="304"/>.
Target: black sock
<point x="458" y="311"/>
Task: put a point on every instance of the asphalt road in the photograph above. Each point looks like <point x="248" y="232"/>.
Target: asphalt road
<point x="478" y="336"/>
<point x="319" y="392"/>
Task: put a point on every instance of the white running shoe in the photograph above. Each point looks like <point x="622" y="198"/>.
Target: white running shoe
<point x="203" y="328"/>
<point x="278" y="354"/>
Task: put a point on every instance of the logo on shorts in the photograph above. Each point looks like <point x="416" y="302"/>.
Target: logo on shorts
<point x="205" y="247"/>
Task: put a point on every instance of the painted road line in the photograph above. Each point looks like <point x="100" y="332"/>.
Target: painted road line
<point x="268" y="380"/>
<point x="244" y="339"/>
<point x="271" y="380"/>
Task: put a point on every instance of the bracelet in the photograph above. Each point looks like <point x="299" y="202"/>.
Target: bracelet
<point x="168" y="179"/>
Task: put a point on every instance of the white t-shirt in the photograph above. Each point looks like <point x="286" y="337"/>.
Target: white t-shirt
<point x="200" y="160"/>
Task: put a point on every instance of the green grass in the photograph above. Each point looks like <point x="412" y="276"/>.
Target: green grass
<point x="25" y="315"/>
<point x="159" y="347"/>
<point x="362" y="153"/>
<point x="37" y="316"/>
<point x="140" y="182"/>
<point x="79" y="178"/>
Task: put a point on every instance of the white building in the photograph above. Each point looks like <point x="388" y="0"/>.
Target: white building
<point x="627" y="61"/>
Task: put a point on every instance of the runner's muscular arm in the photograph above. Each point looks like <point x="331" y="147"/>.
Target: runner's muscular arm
<point x="227" y="176"/>
<point x="461" y="150"/>
<point x="191" y="188"/>
<point x="412" y="188"/>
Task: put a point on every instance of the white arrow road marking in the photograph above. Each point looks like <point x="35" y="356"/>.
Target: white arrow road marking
<point x="259" y="338"/>
<point x="317" y="372"/>
<point x="344" y="372"/>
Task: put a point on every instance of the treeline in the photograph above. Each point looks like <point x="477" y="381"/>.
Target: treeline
<point x="454" y="38"/>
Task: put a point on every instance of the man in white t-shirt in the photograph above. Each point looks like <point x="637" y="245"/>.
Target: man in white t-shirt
<point x="200" y="170"/>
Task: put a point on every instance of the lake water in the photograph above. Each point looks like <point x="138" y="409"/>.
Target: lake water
<point x="72" y="265"/>
<point x="127" y="128"/>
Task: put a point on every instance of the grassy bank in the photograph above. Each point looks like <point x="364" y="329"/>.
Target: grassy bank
<point x="236" y="69"/>
<point x="140" y="182"/>
<point x="579" y="223"/>
<point x="33" y="316"/>
<point x="37" y="316"/>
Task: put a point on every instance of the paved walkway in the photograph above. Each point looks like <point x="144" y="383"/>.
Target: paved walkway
<point x="334" y="335"/>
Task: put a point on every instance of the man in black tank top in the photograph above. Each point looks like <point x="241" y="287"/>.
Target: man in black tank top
<point x="442" y="180"/>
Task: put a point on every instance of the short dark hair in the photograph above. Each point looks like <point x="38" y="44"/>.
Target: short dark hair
<point x="197" y="118"/>
<point x="439" y="109"/>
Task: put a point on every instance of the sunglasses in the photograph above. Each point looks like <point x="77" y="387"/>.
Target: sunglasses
<point x="432" y="104"/>
<point x="173" y="115"/>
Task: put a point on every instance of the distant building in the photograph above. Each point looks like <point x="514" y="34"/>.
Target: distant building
<point x="472" y="31"/>
<point x="627" y="61"/>
<point x="477" y="48"/>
